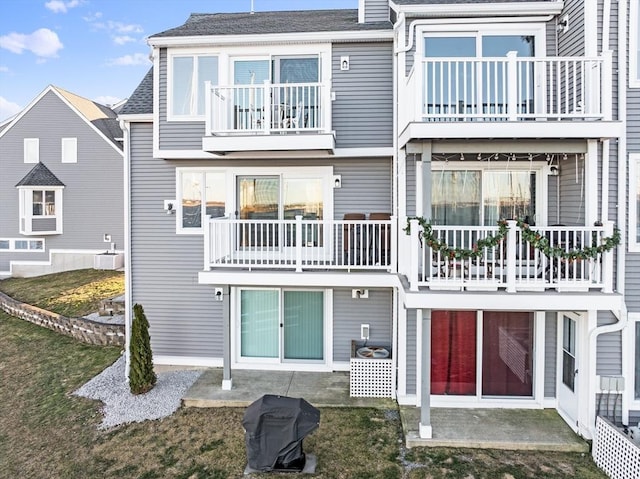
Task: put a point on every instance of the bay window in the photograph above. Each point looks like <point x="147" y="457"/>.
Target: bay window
<point x="40" y="210"/>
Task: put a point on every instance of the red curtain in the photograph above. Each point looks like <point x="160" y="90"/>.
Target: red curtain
<point x="507" y="353"/>
<point x="453" y="352"/>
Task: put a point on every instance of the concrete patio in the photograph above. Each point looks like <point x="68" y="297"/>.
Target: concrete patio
<point x="516" y="429"/>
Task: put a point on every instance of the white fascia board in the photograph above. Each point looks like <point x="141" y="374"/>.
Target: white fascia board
<point x="480" y="9"/>
<point x="322" y="141"/>
<point x="137" y="118"/>
<point x="273" y="38"/>
<point x="551" y="301"/>
<point x="339" y="279"/>
<point x="363" y="152"/>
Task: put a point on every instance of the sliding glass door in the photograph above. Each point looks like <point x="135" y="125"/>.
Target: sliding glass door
<point x="281" y="325"/>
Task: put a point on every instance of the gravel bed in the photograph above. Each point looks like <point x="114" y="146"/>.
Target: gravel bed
<point x="122" y="407"/>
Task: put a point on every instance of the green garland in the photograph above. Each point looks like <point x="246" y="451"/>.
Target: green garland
<point x="537" y="240"/>
<point x="541" y="242"/>
<point x="490" y="241"/>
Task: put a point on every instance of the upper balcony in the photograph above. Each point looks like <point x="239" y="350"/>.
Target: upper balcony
<point x="531" y="97"/>
<point x="268" y="117"/>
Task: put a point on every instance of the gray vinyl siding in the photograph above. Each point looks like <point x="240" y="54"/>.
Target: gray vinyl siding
<point x="366" y="187"/>
<point x="349" y="314"/>
<point x="572" y="191"/>
<point x="411" y="348"/>
<point x="571" y="42"/>
<point x="184" y="319"/>
<point x="376" y="10"/>
<point x="609" y="349"/>
<point x="175" y="135"/>
<point x="632" y="285"/>
<point x="550" y="354"/>
<point x="363" y="109"/>
<point x="93" y="195"/>
<point x="410" y="182"/>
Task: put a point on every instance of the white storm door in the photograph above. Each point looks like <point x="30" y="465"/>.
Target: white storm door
<point x="568" y="372"/>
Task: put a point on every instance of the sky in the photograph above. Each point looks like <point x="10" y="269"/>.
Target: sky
<point x="97" y="48"/>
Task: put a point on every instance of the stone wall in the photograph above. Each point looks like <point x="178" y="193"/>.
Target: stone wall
<point x="82" y="329"/>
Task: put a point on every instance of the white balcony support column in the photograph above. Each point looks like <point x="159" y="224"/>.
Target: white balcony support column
<point x="511" y="256"/>
<point x="414" y="254"/>
<point x="419" y="79"/>
<point x="207" y="243"/>
<point x="208" y="108"/>
<point x="607" y="261"/>
<point x="607" y="85"/>
<point x="423" y="183"/>
<point x="591" y="183"/>
<point x="227" y="381"/>
<point x="298" y="243"/>
<point x="426" y="431"/>
<point x="512" y="85"/>
<point x="324" y="101"/>
<point x="393" y="264"/>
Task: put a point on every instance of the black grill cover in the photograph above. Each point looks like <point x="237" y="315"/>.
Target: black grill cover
<point x="274" y="429"/>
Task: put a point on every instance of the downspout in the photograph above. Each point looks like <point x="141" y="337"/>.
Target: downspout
<point x="125" y="126"/>
<point x="622" y="315"/>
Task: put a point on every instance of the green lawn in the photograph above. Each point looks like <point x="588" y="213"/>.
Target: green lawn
<point x="45" y="432"/>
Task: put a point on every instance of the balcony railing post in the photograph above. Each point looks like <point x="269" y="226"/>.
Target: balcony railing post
<point x="607" y="85"/>
<point x="298" y="243"/>
<point x="393" y="248"/>
<point x="607" y="261"/>
<point x="512" y="85"/>
<point x="420" y="97"/>
<point x="207" y="243"/>
<point x="510" y="264"/>
<point x="208" y="108"/>
<point x="414" y="254"/>
<point x="266" y="102"/>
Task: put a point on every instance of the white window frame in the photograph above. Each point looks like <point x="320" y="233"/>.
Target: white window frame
<point x="634" y="44"/>
<point x="26" y="215"/>
<point x="194" y="54"/>
<point x="69" y="148"/>
<point x="523" y="165"/>
<point x="13" y="249"/>
<point x="32" y="150"/>
<point x="325" y="173"/>
<point x="633" y="244"/>
<point x="278" y="363"/>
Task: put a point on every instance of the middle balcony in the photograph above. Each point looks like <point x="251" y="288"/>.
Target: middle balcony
<point x="268" y="117"/>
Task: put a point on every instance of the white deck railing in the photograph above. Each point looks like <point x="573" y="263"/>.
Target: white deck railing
<point x="266" y="109"/>
<point x="508" y="89"/>
<point x="300" y="244"/>
<point x="513" y="264"/>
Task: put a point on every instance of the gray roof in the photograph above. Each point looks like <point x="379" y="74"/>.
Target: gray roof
<point x="260" y="23"/>
<point x="141" y="100"/>
<point x="40" y="175"/>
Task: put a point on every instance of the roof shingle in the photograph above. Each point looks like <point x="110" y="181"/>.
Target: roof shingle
<point x="40" y="175"/>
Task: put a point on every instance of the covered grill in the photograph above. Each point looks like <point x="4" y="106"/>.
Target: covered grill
<point x="274" y="429"/>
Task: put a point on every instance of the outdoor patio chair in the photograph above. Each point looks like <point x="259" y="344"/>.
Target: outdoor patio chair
<point x="352" y="238"/>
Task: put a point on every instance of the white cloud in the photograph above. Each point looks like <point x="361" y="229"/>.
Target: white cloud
<point x="59" y="6"/>
<point x="8" y="109"/>
<point x="43" y="43"/>
<point x="107" y="100"/>
<point x="128" y="60"/>
<point x="92" y="17"/>
<point x="123" y="39"/>
<point x="4" y="69"/>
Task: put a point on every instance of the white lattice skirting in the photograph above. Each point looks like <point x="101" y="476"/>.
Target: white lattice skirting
<point x="371" y="378"/>
<point x="615" y="453"/>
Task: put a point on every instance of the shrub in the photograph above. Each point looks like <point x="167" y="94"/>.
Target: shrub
<point x="142" y="378"/>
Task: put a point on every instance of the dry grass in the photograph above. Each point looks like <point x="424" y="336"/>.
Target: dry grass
<point x="72" y="293"/>
<point x="45" y="432"/>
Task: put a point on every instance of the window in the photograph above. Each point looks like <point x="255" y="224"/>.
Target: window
<point x="40" y="210"/>
<point x="478" y="196"/>
<point x="69" y="150"/>
<point x="17" y="244"/>
<point x="634" y="203"/>
<point x="634" y="44"/>
<point x="197" y="188"/>
<point x="281" y="325"/>
<point x="31" y="150"/>
<point x="187" y="84"/>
